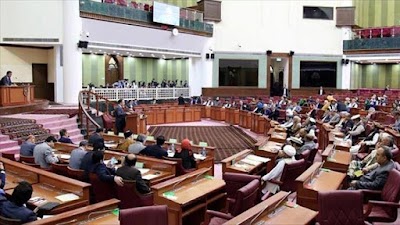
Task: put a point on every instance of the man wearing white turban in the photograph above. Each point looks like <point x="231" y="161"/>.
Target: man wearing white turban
<point x="285" y="156"/>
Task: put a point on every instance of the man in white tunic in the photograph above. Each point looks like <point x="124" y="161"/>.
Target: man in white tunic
<point x="285" y="156"/>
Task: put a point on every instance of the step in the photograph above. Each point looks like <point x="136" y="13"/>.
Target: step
<point x="77" y="138"/>
<point x="69" y="128"/>
<point x="8" y="144"/>
<point x="59" y="123"/>
<point x="14" y="150"/>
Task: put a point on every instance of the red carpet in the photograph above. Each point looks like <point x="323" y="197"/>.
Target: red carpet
<point x="228" y="140"/>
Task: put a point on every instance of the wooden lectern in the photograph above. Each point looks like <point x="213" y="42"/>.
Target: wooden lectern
<point x="136" y="123"/>
<point x="16" y="95"/>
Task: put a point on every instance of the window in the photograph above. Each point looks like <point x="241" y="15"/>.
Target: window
<point x="237" y="72"/>
<point x="316" y="74"/>
<point x="323" y="13"/>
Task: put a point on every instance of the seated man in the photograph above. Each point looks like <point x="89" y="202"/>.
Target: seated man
<point x="369" y="142"/>
<point x="309" y="144"/>
<point x="64" y="137"/>
<point x="43" y="153"/>
<point x="129" y="172"/>
<point x="104" y="173"/>
<point x="156" y="150"/>
<point x="126" y="142"/>
<point x="15" y="207"/>
<point x="138" y="146"/>
<point x="357" y="130"/>
<point x="345" y="123"/>
<point x="97" y="136"/>
<point x="376" y="179"/>
<point x="77" y="155"/>
<point x="285" y="156"/>
<point x="28" y="146"/>
<point x="396" y="125"/>
<point x="86" y="163"/>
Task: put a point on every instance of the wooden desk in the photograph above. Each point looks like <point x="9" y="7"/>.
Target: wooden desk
<point x="235" y="164"/>
<point x="269" y="150"/>
<point x="99" y="213"/>
<point x="165" y="169"/>
<point x="160" y="115"/>
<point x="335" y="159"/>
<point x="217" y="113"/>
<point x="283" y="214"/>
<point x="16" y="95"/>
<point x="189" y="114"/>
<point x="49" y="185"/>
<point x="278" y="137"/>
<point x="206" y="111"/>
<point x="179" y="115"/>
<point x="170" y="115"/>
<point x="327" y="180"/>
<point x="151" y="116"/>
<point x="189" y="196"/>
<point x="136" y="123"/>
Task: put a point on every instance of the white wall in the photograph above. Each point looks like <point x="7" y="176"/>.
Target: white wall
<point x="20" y="60"/>
<point x="30" y="19"/>
<point x="278" y="25"/>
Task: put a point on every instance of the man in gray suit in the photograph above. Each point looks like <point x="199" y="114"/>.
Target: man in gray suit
<point x="309" y="144"/>
<point x="376" y="179"/>
<point x="28" y="146"/>
<point x="138" y="146"/>
<point x="43" y="153"/>
<point x="77" y="155"/>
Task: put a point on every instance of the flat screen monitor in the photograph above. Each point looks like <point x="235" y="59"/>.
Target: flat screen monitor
<point x="166" y="14"/>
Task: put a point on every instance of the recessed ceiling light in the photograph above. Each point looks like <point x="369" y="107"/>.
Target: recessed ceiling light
<point x="91" y="51"/>
<point x="114" y="51"/>
<point x="127" y="52"/>
<point x="152" y="55"/>
<point x="95" y="53"/>
<point x="100" y="50"/>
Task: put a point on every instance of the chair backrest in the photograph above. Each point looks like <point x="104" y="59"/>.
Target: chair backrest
<point x="149" y="215"/>
<point x="396" y="154"/>
<point x="28" y="159"/>
<point x="107" y="121"/>
<point x="305" y="155"/>
<point x="235" y="181"/>
<point x="291" y="171"/>
<point x="101" y="190"/>
<point x="391" y="191"/>
<point x="130" y="198"/>
<point x="60" y="169"/>
<point x="10" y="156"/>
<point x="179" y="167"/>
<point x="76" y="174"/>
<point x="313" y="153"/>
<point x="340" y="207"/>
<point x="246" y="197"/>
<point x="31" y="164"/>
<point x="7" y="221"/>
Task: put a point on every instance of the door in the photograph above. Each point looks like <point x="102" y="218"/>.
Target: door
<point x="43" y="89"/>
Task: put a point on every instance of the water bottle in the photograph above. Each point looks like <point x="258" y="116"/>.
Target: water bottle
<point x="173" y="148"/>
<point x="203" y="152"/>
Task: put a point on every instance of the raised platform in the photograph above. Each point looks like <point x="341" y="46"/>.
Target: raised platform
<point x="38" y="104"/>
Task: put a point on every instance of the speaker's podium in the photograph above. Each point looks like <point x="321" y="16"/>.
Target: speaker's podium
<point x="16" y="95"/>
<point x="136" y="123"/>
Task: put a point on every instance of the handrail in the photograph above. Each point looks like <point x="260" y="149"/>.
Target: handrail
<point x="84" y="112"/>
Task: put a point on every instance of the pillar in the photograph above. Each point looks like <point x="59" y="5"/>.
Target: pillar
<point x="72" y="56"/>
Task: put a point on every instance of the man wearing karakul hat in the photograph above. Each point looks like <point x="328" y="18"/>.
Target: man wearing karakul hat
<point x="284" y="156"/>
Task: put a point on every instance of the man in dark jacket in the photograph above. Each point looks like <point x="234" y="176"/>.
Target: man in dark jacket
<point x="156" y="150"/>
<point x="120" y="115"/>
<point x="129" y="172"/>
<point x="376" y="179"/>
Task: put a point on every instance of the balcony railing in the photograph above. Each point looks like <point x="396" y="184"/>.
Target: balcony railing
<point x="129" y="13"/>
<point x="372" y="39"/>
<point x="114" y="94"/>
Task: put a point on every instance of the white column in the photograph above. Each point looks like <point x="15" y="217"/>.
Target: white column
<point x="346" y="68"/>
<point x="58" y="75"/>
<point x="72" y="56"/>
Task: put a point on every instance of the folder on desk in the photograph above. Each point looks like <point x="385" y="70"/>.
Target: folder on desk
<point x="135" y="136"/>
<point x="67" y="197"/>
<point x="110" y="133"/>
<point x="172" y="141"/>
<point x="203" y="144"/>
<point x="143" y="170"/>
<point x="149" y="176"/>
<point x="121" y="135"/>
<point x="139" y="165"/>
<point x="258" y="158"/>
<point x="149" y="138"/>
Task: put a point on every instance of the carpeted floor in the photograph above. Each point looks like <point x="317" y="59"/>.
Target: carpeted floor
<point x="228" y="140"/>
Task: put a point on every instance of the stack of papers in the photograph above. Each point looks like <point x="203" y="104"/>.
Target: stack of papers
<point x="199" y="156"/>
<point x="149" y="176"/>
<point x="144" y="170"/>
<point x="67" y="197"/>
<point x="258" y="158"/>
<point x="64" y="156"/>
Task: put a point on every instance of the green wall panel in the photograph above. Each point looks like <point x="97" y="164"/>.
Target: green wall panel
<point x="93" y="69"/>
<point x="375" y="76"/>
<point x="377" y="13"/>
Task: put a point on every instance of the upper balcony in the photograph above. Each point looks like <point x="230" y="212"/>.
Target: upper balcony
<point x="191" y="21"/>
<point x="377" y="39"/>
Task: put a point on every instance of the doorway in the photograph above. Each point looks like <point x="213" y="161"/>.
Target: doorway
<point x="280" y="73"/>
<point x="114" y="69"/>
<point x="43" y="89"/>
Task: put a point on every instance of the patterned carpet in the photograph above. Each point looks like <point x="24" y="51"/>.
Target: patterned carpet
<point x="228" y="140"/>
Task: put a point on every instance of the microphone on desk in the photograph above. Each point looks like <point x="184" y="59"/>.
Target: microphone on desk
<point x="265" y="208"/>
<point x="68" y="222"/>
<point x="98" y="212"/>
<point x="197" y="177"/>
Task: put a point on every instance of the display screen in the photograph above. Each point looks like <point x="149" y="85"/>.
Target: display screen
<point x="316" y="74"/>
<point x="166" y="14"/>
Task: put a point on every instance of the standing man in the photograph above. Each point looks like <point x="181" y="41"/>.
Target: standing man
<point x="6" y="80"/>
<point x="181" y="100"/>
<point x="120" y="115"/>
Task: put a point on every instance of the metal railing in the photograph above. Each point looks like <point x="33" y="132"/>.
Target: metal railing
<point x="114" y="94"/>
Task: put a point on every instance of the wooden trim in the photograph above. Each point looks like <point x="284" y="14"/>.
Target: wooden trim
<point x="269" y="60"/>
<point x="26" y="46"/>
